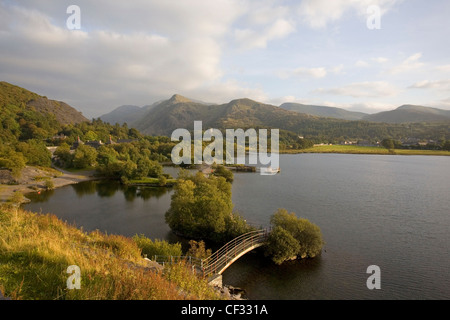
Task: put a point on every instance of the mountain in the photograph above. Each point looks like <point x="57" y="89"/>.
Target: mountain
<point x="19" y="99"/>
<point x="131" y="114"/>
<point x="410" y="114"/>
<point x="181" y="112"/>
<point x="322" y="111"/>
<point x="124" y="114"/>
<point x="177" y="112"/>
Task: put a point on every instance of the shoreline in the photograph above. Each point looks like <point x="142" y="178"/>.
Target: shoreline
<point x="30" y="181"/>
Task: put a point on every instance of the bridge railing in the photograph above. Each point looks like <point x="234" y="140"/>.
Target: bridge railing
<point x="220" y="258"/>
<point x="227" y="253"/>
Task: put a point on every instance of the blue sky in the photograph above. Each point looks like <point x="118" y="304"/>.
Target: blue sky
<point x="311" y="51"/>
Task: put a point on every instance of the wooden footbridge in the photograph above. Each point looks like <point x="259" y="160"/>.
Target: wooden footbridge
<point x="221" y="259"/>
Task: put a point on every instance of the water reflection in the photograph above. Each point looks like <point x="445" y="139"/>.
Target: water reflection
<point x="107" y="189"/>
<point x="42" y="196"/>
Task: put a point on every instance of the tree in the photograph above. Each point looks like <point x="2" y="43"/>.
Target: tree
<point x="35" y="153"/>
<point x="201" y="208"/>
<point x="446" y="145"/>
<point x="281" y="245"/>
<point x="388" y="144"/>
<point x="286" y="228"/>
<point x="64" y="155"/>
<point x="221" y="171"/>
<point x="84" y="157"/>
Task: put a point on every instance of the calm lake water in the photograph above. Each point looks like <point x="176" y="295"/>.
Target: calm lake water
<point x="389" y="211"/>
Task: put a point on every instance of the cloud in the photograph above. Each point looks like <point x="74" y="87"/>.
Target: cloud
<point x="361" y="64"/>
<point x="308" y="73"/>
<point x="126" y="55"/>
<point x="319" y="13"/>
<point x="426" y="84"/>
<point x="380" y="59"/>
<point x="409" y="64"/>
<point x="361" y="89"/>
<point x="253" y="38"/>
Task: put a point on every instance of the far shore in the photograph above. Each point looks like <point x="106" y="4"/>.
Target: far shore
<point x="33" y="179"/>
<point x="355" y="149"/>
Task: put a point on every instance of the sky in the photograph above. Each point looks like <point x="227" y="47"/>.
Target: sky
<point x="360" y="55"/>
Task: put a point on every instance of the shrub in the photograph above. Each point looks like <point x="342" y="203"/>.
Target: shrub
<point x="292" y="236"/>
<point x="158" y="247"/>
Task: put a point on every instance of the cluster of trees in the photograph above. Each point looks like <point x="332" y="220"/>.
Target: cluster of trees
<point x="16" y="156"/>
<point x="395" y="144"/>
<point x="292" y="238"/>
<point x="201" y="208"/>
<point x="123" y="161"/>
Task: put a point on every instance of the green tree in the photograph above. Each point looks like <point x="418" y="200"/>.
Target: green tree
<point x="388" y="144"/>
<point x="84" y="157"/>
<point x="35" y="153"/>
<point x="201" y="208"/>
<point x="9" y="158"/>
<point x="446" y="145"/>
<point x="221" y="171"/>
<point x="64" y="155"/>
<point x="308" y="237"/>
<point x="281" y="245"/>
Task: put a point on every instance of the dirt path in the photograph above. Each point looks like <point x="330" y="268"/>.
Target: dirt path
<point x="33" y="179"/>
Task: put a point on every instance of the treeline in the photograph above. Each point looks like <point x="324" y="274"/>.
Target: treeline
<point x="335" y="131"/>
<point x="124" y="161"/>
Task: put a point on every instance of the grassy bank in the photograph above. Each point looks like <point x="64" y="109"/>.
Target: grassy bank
<point x="36" y="250"/>
<point x="352" y="149"/>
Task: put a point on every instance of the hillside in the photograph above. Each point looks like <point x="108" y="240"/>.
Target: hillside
<point x="14" y="97"/>
<point x="410" y="114"/>
<point x="321" y="111"/>
<point x="36" y="251"/>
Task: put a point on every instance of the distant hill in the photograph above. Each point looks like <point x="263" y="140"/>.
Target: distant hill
<point x="322" y="111"/>
<point x="124" y="114"/>
<point x="410" y="114"/>
<point x="181" y="112"/>
<point x="20" y="99"/>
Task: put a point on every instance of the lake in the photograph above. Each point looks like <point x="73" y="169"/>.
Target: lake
<point x="384" y="210"/>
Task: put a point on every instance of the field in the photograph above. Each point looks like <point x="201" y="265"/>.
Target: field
<point x="352" y="149"/>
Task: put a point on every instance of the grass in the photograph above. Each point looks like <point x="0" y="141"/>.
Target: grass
<point x="352" y="149"/>
<point x="36" y="250"/>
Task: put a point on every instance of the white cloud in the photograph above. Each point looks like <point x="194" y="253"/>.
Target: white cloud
<point x="310" y="72"/>
<point x="319" y="13"/>
<point x="149" y="51"/>
<point x="365" y="89"/>
<point x="361" y="64"/>
<point x="253" y="38"/>
<point x="426" y="84"/>
<point x="409" y="64"/>
<point x="380" y="59"/>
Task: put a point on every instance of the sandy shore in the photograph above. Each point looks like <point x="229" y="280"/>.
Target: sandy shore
<point x="31" y="181"/>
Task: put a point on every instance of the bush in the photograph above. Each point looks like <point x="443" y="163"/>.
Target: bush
<point x="160" y="248"/>
<point x="292" y="237"/>
<point x="49" y="184"/>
